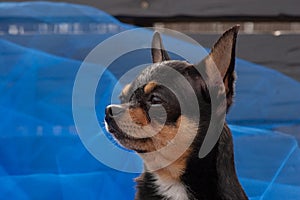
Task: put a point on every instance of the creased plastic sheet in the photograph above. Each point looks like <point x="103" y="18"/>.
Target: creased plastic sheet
<point x="41" y="156"/>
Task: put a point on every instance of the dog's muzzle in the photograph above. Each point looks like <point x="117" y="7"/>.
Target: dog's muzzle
<point x="112" y="113"/>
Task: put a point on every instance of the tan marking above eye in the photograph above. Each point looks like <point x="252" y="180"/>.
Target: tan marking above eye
<point x="149" y="87"/>
<point x="126" y="89"/>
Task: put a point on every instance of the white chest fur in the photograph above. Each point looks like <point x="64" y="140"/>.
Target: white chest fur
<point x="171" y="189"/>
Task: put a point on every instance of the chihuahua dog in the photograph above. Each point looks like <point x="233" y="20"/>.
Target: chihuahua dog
<point x="153" y="112"/>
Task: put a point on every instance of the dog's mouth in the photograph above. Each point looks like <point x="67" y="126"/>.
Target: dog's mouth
<point x="114" y="129"/>
<point x="145" y="131"/>
<point x="131" y="129"/>
<point x="126" y="140"/>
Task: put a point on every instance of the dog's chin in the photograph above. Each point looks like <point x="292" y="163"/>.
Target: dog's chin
<point x="118" y="134"/>
<point x="126" y="140"/>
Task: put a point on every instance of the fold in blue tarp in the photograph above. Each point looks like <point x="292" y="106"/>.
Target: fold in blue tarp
<point x="41" y="156"/>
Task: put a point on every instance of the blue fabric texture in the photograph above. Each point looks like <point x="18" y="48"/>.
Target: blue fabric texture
<point x="41" y="156"/>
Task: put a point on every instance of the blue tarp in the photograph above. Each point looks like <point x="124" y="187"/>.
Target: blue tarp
<point x="41" y="156"/>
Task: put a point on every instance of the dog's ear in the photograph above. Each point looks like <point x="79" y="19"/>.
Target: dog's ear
<point x="222" y="56"/>
<point x="159" y="54"/>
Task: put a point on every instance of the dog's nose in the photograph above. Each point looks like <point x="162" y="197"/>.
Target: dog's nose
<point x="114" y="110"/>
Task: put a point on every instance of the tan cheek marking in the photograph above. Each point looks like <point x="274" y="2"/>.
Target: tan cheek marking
<point x="173" y="171"/>
<point x="176" y="169"/>
<point x="166" y="135"/>
<point x="138" y="116"/>
<point x="149" y="87"/>
<point x="125" y="123"/>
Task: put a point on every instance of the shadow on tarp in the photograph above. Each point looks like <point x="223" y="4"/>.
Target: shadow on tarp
<point x="41" y="157"/>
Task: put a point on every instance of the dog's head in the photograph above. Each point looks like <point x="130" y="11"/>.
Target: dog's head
<point x="156" y="104"/>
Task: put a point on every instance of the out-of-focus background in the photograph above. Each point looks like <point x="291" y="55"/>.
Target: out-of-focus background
<point x="42" y="45"/>
<point x="270" y="29"/>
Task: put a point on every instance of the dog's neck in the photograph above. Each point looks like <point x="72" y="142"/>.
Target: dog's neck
<point x="191" y="178"/>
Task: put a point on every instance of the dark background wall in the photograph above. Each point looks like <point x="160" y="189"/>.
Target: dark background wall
<point x="278" y="52"/>
<point x="270" y="29"/>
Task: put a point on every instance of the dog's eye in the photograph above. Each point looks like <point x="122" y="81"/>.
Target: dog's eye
<point x="156" y="100"/>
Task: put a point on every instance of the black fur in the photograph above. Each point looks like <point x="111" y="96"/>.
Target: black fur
<point x="214" y="176"/>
